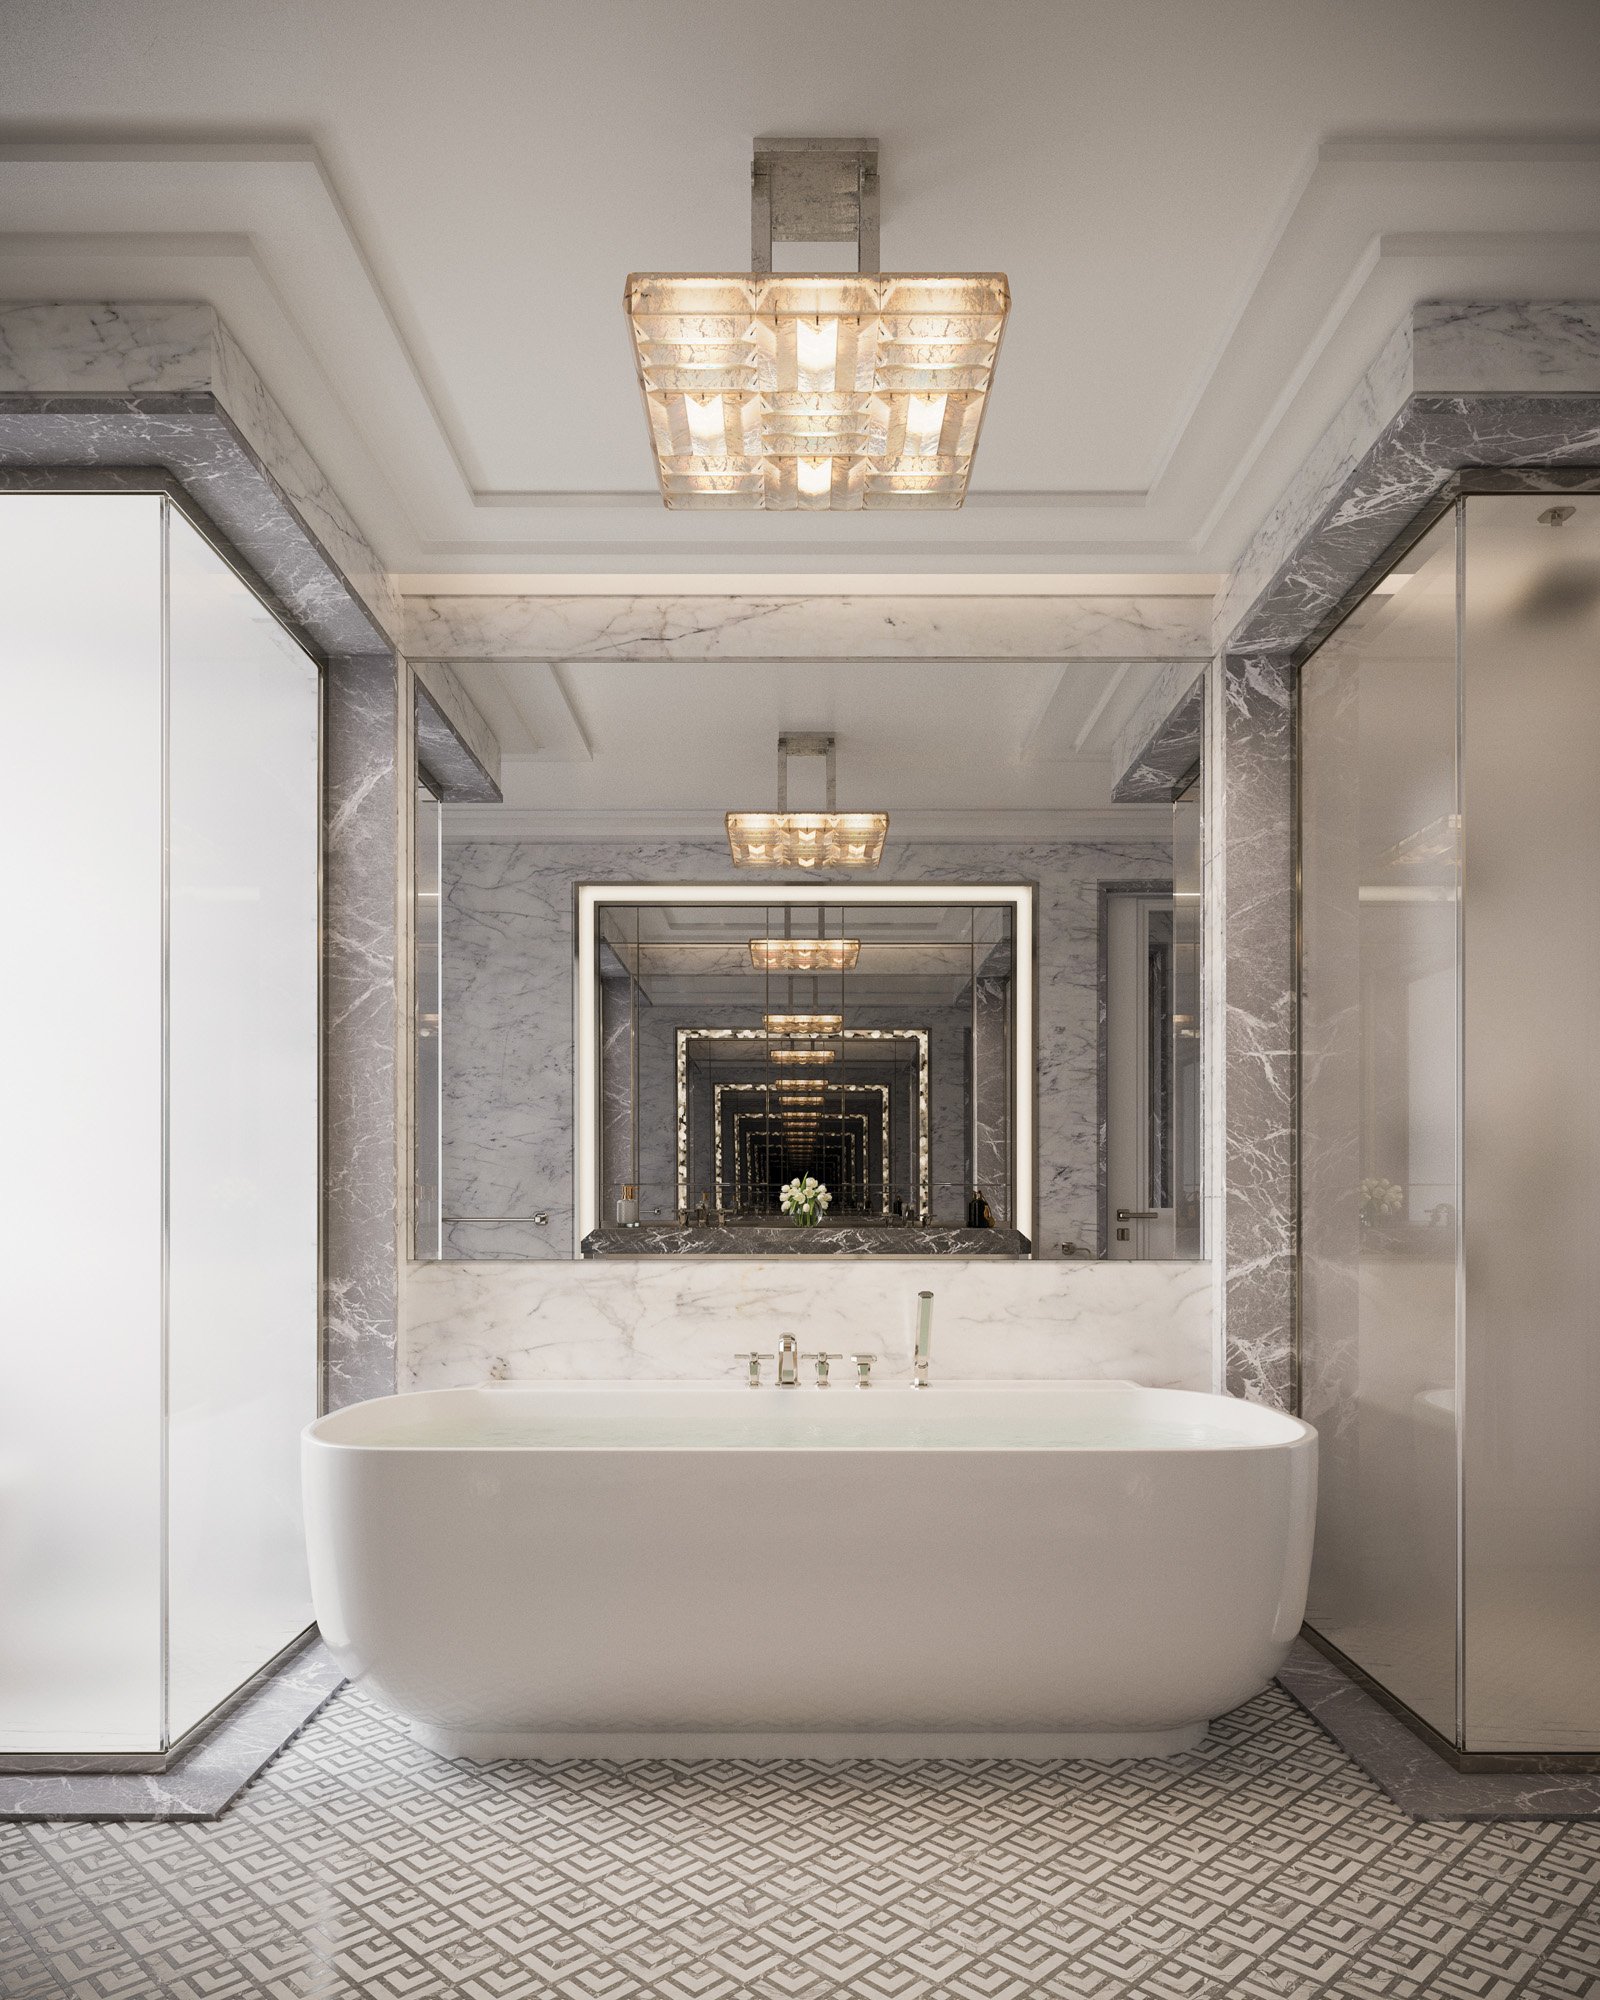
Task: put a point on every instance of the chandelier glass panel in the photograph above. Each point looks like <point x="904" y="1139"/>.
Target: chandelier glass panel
<point x="815" y="392"/>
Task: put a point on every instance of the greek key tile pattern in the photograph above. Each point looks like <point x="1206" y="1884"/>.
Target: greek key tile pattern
<point x="1263" y="1866"/>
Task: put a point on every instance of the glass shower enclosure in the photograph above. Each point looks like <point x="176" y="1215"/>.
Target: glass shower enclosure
<point x="159" y="1292"/>
<point x="1450" y="1126"/>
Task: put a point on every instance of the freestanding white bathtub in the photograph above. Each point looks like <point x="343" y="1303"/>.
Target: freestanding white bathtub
<point x="984" y="1569"/>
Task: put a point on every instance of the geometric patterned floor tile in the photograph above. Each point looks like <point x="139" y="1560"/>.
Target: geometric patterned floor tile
<point x="1262" y="1866"/>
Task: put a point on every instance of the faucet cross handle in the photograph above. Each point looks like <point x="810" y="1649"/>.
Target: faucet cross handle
<point x="822" y="1361"/>
<point x="863" y="1367"/>
<point x="753" y="1362"/>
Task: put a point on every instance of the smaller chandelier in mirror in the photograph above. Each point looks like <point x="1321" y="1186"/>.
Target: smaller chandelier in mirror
<point x="807" y="840"/>
<point x="802" y="1024"/>
<point x="804" y="954"/>
<point x="784" y="839"/>
<point x="800" y="1055"/>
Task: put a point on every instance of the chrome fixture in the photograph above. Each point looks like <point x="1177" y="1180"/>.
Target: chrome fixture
<point x="788" y="1362"/>
<point x="924" y="1353"/>
<point x="822" y="1361"/>
<point x="863" y="1367"/>
<point x="753" y="1362"/>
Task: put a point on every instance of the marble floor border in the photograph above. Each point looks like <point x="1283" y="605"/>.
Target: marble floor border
<point x="205" y="1782"/>
<point x="1414" y="1776"/>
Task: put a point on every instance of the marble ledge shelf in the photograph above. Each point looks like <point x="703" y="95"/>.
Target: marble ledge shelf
<point x="822" y="1240"/>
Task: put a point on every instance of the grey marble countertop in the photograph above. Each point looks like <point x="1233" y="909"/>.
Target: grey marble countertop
<point x="824" y="1239"/>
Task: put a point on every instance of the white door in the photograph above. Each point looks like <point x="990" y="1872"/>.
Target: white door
<point x="1139" y="1077"/>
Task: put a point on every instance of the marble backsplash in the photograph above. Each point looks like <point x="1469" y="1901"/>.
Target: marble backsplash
<point x="671" y="1319"/>
<point x="508" y="1016"/>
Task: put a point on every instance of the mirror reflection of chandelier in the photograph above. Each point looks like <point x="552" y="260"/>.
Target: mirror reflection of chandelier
<point x="809" y="840"/>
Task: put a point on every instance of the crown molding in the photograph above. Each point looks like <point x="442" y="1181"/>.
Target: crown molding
<point x="1367" y="229"/>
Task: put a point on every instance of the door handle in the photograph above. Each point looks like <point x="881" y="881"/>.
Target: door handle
<point x="1137" y="1214"/>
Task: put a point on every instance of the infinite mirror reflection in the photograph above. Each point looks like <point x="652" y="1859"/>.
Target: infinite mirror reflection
<point x="870" y="1047"/>
<point x="753" y="1019"/>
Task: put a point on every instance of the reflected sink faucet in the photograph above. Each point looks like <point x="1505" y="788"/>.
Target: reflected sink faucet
<point x="924" y="1353"/>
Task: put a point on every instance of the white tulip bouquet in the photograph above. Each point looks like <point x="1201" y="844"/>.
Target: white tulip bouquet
<point x="804" y="1200"/>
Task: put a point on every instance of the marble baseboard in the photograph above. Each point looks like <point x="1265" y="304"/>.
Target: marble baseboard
<point x="827" y="1239"/>
<point x="1416" y="1777"/>
<point x="202" y="1784"/>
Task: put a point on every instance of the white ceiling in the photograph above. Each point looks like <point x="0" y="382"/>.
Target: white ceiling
<point x="417" y="219"/>
<point x="934" y="740"/>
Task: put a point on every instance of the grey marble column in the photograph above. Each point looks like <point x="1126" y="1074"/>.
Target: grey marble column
<point x="1258" y="1025"/>
<point x="360" y="1005"/>
<point x="1466" y="395"/>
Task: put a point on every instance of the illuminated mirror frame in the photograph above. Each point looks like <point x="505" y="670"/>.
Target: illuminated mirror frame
<point x="590" y="898"/>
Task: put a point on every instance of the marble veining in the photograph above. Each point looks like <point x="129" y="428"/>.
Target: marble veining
<point x="1510" y="390"/>
<point x="205" y="1780"/>
<point x="360" y="1020"/>
<point x="806" y="628"/>
<point x="444" y="754"/>
<point x="684" y="1319"/>
<point x="1458" y="383"/>
<point x="1419" y="1781"/>
<point x="508" y="1016"/>
<point x="154" y="349"/>
<point x="456" y="742"/>
<point x="156" y="395"/>
<point x="833" y="1239"/>
<point x="1259" y="1025"/>
<point x="1160" y="745"/>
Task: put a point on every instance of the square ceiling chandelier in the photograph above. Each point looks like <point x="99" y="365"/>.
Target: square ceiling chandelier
<point x="819" y="391"/>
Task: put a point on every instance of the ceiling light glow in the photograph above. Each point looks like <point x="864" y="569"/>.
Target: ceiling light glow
<point x="837" y="390"/>
<point x="806" y="840"/>
<point x="804" y="954"/>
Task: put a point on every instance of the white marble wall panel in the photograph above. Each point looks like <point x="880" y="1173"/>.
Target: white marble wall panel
<point x="683" y="1319"/>
<point x="807" y="628"/>
<point x="153" y="348"/>
<point x="507" y="1033"/>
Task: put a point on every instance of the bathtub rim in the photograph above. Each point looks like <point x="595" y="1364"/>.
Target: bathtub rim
<point x="1281" y="1431"/>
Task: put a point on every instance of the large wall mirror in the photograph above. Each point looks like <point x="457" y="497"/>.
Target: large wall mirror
<point x="924" y="931"/>
<point x="734" y="1042"/>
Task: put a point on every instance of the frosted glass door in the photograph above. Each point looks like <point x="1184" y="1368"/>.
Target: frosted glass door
<point x="1378" y="1083"/>
<point x="243" y="1126"/>
<point x="80" y="1023"/>
<point x="1530" y="657"/>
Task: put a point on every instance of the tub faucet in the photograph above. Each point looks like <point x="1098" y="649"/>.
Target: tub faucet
<point x="788" y="1362"/>
<point x="924" y="1353"/>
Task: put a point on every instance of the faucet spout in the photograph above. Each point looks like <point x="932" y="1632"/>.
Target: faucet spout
<point x="924" y="1354"/>
<point x="788" y="1362"/>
